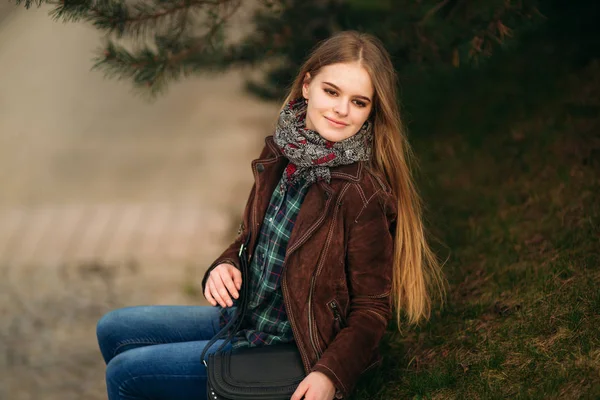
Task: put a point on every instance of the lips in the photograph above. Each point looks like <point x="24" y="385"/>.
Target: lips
<point x="336" y="122"/>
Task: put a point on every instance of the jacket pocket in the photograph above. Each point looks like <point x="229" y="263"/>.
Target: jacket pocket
<point x="335" y="308"/>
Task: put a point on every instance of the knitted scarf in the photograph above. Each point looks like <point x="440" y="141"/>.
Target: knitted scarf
<point x="310" y="155"/>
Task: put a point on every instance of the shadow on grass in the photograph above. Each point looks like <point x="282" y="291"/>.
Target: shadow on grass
<point x="509" y="171"/>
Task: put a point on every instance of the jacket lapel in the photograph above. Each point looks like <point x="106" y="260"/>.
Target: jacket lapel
<point x="315" y="206"/>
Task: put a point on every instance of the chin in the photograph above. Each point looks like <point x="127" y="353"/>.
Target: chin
<point x="332" y="135"/>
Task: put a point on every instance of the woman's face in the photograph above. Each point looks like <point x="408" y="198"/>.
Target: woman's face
<point x="339" y="98"/>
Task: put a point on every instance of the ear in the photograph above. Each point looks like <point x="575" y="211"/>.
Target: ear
<point x="307" y="79"/>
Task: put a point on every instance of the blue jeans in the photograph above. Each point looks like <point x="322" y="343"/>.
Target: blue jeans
<point x="153" y="352"/>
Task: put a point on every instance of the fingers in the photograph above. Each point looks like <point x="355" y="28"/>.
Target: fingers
<point x="208" y="295"/>
<point x="223" y="282"/>
<point x="228" y="283"/>
<point x="216" y="294"/>
<point x="220" y="286"/>
<point x="300" y="391"/>
<point x="219" y="291"/>
<point x="237" y="277"/>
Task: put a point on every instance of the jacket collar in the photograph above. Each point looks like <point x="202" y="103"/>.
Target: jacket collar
<point x="349" y="172"/>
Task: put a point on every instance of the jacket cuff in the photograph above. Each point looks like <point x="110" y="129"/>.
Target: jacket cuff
<point x="340" y="390"/>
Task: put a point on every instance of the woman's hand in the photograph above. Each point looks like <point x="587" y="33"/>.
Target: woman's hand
<point x="316" y="386"/>
<point x="224" y="280"/>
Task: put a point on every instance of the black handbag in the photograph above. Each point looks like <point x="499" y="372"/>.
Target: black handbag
<point x="270" y="372"/>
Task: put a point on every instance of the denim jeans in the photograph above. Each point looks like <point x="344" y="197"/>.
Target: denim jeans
<point x="153" y="352"/>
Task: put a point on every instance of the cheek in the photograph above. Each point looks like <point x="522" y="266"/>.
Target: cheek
<point x="320" y="103"/>
<point x="312" y="112"/>
<point x="317" y="107"/>
<point x="360" y="117"/>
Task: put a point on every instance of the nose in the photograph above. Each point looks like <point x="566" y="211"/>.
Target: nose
<point x="341" y="108"/>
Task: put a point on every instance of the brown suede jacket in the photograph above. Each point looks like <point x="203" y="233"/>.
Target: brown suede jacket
<point x="337" y="275"/>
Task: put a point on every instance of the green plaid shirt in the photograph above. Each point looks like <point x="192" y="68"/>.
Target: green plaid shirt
<point x="266" y="320"/>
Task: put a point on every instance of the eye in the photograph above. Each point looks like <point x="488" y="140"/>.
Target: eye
<point x="360" y="103"/>
<point x="330" y="92"/>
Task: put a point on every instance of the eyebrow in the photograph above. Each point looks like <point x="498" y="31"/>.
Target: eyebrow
<point x="358" y="95"/>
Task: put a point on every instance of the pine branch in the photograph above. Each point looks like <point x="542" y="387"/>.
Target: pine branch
<point x="496" y="30"/>
<point x="29" y="3"/>
<point x="175" y="38"/>
<point x="119" y="18"/>
<point x="432" y="11"/>
<point x="177" y="54"/>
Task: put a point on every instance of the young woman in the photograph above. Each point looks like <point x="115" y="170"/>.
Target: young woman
<point x="337" y="242"/>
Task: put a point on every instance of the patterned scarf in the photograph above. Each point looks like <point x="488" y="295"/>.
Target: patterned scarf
<point x="310" y="154"/>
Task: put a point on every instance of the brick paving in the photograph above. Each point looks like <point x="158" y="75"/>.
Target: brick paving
<point x="105" y="200"/>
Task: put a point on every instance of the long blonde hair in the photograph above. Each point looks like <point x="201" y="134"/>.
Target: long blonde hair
<point x="416" y="268"/>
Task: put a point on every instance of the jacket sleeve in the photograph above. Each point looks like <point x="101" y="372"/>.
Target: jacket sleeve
<point x="370" y="267"/>
<point x="230" y="255"/>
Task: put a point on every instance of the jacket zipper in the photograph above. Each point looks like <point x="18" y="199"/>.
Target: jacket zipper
<point x="285" y="294"/>
<point x="337" y="313"/>
<point x="314" y="341"/>
<point x="294" y="329"/>
<point x="311" y="332"/>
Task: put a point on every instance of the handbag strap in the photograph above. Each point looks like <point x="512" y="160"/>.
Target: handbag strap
<point x="241" y="309"/>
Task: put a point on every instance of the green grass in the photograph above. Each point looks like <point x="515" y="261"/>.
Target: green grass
<point x="517" y="209"/>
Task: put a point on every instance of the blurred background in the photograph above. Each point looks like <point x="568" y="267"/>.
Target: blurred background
<point x="106" y="200"/>
<point x="125" y="150"/>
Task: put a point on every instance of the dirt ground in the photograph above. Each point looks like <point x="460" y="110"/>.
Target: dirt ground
<point x="78" y="156"/>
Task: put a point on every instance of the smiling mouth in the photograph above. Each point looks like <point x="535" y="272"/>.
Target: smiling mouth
<point x="336" y="123"/>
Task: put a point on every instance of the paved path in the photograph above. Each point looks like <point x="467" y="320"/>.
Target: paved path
<point x="105" y="200"/>
<point x="110" y="233"/>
